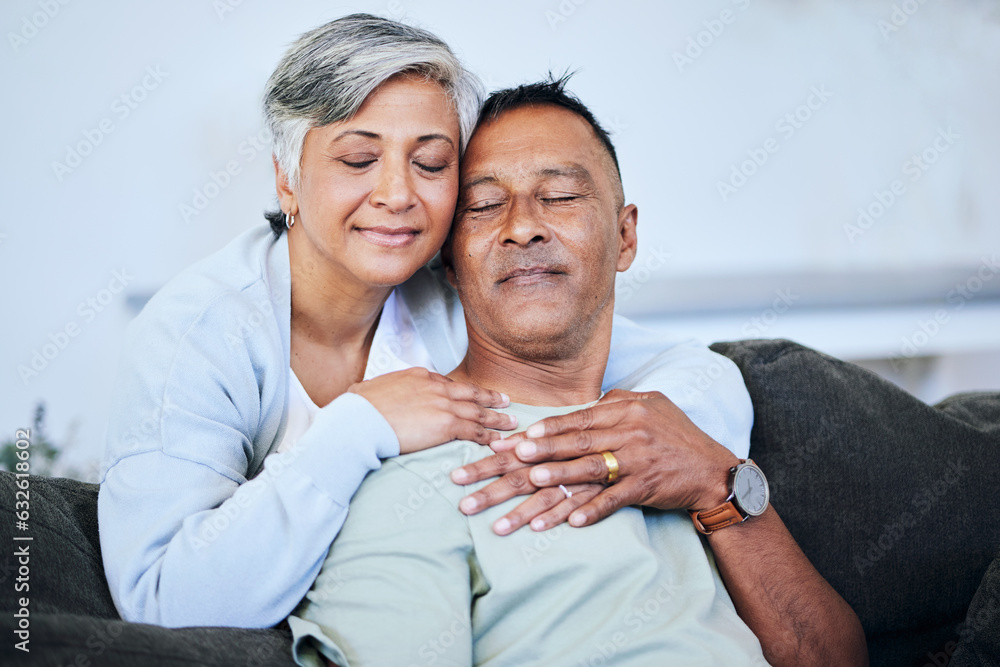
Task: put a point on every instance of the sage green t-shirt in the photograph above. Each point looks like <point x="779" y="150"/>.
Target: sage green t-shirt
<point x="411" y="581"/>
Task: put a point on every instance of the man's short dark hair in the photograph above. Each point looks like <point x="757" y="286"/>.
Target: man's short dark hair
<point x="551" y="91"/>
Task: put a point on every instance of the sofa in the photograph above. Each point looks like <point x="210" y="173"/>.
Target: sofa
<point x="894" y="502"/>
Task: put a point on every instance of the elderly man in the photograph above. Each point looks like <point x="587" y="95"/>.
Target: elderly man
<point x="540" y="232"/>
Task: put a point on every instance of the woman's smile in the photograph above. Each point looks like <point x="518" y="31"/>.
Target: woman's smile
<point x="389" y="237"/>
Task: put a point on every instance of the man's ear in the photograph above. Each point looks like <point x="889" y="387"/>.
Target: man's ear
<point x="627" y="220"/>
<point x="286" y="197"/>
<point x="449" y="265"/>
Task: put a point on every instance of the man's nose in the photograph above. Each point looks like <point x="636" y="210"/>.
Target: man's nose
<point x="394" y="189"/>
<point x="523" y="224"/>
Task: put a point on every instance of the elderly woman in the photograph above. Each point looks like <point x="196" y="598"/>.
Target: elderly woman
<point x="260" y="386"/>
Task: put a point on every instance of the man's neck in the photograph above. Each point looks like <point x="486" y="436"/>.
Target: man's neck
<point x="573" y="379"/>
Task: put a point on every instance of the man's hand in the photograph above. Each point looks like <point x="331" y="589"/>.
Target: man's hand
<point x="664" y="460"/>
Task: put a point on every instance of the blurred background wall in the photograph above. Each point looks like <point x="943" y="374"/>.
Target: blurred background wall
<point x="820" y="171"/>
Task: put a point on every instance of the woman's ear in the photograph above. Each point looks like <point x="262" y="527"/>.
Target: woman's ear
<point x="286" y="197"/>
<point x="627" y="221"/>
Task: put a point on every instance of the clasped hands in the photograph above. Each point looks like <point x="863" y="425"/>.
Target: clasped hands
<point x="664" y="460"/>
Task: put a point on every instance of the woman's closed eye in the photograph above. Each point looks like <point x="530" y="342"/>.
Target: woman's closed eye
<point x="363" y="162"/>
<point x="358" y="161"/>
<point x="431" y="168"/>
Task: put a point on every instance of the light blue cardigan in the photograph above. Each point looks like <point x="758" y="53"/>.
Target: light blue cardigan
<point x="195" y="529"/>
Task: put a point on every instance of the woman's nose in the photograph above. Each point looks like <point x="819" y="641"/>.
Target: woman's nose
<point x="394" y="188"/>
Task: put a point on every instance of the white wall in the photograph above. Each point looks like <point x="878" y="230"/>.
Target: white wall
<point x="192" y="74"/>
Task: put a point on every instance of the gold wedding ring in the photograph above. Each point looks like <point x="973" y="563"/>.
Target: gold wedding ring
<point x="612" y="463"/>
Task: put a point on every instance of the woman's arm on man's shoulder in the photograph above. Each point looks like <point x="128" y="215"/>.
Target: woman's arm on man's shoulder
<point x="188" y="537"/>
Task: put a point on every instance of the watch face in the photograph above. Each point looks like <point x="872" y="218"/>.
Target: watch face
<point x="751" y="490"/>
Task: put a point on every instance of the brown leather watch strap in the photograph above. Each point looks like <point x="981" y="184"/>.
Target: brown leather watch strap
<point x="707" y="521"/>
<point x="726" y="514"/>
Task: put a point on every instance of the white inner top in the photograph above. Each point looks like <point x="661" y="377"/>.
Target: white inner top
<point x="395" y="347"/>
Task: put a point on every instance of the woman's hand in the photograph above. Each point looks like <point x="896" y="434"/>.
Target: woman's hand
<point x="426" y="409"/>
<point x="664" y="460"/>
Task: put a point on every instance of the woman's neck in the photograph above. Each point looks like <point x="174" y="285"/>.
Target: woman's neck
<point x="329" y="306"/>
<point x="333" y="322"/>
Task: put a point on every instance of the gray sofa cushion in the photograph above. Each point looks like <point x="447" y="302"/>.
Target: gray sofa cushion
<point x="67" y="572"/>
<point x="73" y="620"/>
<point x="979" y="635"/>
<point x="891" y="499"/>
<point x="67" y="639"/>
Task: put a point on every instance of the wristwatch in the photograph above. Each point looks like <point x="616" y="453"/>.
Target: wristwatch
<point x="748" y="496"/>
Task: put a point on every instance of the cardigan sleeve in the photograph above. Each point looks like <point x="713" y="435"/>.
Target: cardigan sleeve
<point x="188" y="537"/>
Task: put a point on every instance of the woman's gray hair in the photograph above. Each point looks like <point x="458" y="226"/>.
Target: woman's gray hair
<point x="328" y="73"/>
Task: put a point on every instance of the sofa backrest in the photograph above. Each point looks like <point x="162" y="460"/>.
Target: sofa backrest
<point x="891" y="499"/>
<point x="66" y="569"/>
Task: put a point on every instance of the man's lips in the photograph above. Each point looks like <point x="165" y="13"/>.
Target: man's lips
<point x="389" y="237"/>
<point x="530" y="275"/>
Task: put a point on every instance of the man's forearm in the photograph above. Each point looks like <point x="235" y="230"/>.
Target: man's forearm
<point x="797" y="616"/>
